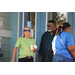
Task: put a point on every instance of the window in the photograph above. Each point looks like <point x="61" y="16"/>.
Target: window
<point x="30" y="16"/>
<point x="59" y="17"/>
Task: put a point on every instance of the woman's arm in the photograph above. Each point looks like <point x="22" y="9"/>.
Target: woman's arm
<point x="14" y="52"/>
<point x="71" y="48"/>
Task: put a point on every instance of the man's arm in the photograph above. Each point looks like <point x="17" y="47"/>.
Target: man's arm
<point x="40" y="49"/>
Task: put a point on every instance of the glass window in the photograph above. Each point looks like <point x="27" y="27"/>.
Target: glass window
<point x="26" y="18"/>
<point x="5" y="49"/>
<point x="59" y="17"/>
<point x="30" y="16"/>
<point x="33" y="23"/>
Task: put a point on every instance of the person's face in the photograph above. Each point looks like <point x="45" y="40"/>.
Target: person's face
<point x="51" y="26"/>
<point x="27" y="31"/>
<point x="69" y="29"/>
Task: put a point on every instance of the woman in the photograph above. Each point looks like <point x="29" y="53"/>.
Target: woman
<point x="54" y="39"/>
<point x="53" y="42"/>
<point x="62" y="55"/>
<point x="24" y="43"/>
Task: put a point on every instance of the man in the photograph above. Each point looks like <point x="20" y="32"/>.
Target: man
<point x="45" y="50"/>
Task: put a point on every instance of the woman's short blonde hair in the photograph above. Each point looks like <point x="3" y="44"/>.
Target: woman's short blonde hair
<point x="30" y="36"/>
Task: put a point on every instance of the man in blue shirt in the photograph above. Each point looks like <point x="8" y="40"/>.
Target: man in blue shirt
<point x="45" y="50"/>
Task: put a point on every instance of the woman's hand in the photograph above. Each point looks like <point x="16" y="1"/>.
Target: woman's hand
<point x="12" y="60"/>
<point x="34" y="50"/>
<point x="14" y="52"/>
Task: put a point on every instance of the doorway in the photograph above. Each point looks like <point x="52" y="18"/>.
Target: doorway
<point x="29" y="17"/>
<point x="29" y="20"/>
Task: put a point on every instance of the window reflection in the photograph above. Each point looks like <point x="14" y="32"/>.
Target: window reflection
<point x="30" y="16"/>
<point x="59" y="17"/>
<point x="33" y="23"/>
<point x="26" y="18"/>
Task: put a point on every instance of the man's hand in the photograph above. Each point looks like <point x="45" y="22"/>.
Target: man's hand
<point x="40" y="57"/>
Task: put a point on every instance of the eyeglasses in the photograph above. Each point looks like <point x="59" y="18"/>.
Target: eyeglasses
<point x="48" y="25"/>
<point x="27" y="30"/>
<point x="70" y="28"/>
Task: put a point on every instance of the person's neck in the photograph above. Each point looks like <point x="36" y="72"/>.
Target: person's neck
<point x="65" y="30"/>
<point x="27" y="37"/>
<point x="52" y="32"/>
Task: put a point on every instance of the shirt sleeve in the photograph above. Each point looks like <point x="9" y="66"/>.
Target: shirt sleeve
<point x="34" y="42"/>
<point x="18" y="43"/>
<point x="40" y="48"/>
<point x="70" y="40"/>
<point x="53" y="43"/>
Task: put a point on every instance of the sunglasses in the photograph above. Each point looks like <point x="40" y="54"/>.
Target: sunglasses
<point x="27" y="30"/>
<point x="48" y="25"/>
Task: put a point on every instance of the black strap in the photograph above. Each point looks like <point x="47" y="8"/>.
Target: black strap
<point x="65" y="47"/>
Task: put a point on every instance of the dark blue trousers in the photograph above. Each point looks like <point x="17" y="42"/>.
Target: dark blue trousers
<point x="61" y="58"/>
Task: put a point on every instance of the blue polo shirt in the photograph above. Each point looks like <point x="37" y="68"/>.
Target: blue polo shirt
<point x="68" y="40"/>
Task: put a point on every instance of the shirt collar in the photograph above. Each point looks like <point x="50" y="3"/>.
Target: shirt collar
<point x="53" y="33"/>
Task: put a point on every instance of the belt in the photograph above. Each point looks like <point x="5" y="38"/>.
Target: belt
<point x="29" y="57"/>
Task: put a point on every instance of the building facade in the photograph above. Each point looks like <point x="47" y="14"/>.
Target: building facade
<point x="14" y="22"/>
